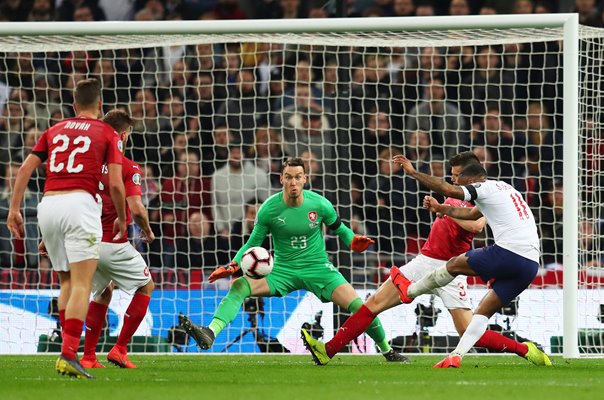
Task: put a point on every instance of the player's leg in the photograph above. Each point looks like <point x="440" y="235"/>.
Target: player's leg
<point x="64" y="293"/>
<point x="227" y="310"/>
<point x="364" y="316"/>
<point x="441" y="276"/>
<point x="102" y="292"/>
<point x="134" y="315"/>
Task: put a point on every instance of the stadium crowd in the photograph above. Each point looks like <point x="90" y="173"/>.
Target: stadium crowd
<point x="213" y="123"/>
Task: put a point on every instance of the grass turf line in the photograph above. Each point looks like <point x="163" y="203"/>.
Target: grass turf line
<point x="266" y="377"/>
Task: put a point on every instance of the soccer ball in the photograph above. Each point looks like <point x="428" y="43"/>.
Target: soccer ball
<point x="256" y="262"/>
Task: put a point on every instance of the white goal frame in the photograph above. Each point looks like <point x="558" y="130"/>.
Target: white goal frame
<point x="15" y="37"/>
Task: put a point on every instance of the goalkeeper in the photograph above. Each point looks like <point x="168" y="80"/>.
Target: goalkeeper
<point x="294" y="217"/>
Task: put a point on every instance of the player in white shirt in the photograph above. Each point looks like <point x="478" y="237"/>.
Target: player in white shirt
<point x="512" y="262"/>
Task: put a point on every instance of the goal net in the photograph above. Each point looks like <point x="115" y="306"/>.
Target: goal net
<point x="219" y="105"/>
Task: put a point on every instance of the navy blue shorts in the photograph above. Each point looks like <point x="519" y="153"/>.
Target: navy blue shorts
<point x="511" y="272"/>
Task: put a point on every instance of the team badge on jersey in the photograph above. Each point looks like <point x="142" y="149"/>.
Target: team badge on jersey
<point x="136" y="178"/>
<point x="312" y="216"/>
<point x="120" y="145"/>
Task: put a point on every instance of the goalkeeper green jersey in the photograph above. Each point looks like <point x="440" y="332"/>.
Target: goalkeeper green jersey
<point x="297" y="232"/>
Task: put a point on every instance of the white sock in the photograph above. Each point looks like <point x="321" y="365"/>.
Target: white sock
<point x="435" y="279"/>
<point x="474" y="331"/>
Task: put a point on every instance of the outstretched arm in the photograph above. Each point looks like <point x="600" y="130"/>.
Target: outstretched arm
<point x="462" y="213"/>
<point x="15" y="219"/>
<point x="435" y="184"/>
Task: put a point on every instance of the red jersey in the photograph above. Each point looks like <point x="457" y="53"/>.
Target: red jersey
<point x="446" y="238"/>
<point x="131" y="174"/>
<point x="75" y="149"/>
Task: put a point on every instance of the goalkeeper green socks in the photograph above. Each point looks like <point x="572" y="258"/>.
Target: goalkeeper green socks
<point x="230" y="305"/>
<point x="375" y="330"/>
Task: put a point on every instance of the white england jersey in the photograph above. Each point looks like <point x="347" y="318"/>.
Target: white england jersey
<point x="508" y="215"/>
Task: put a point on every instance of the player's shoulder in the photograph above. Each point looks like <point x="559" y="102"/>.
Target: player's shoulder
<point x="314" y="196"/>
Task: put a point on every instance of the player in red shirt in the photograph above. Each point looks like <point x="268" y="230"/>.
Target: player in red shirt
<point x="120" y="265"/>
<point x="448" y="238"/>
<point x="68" y="215"/>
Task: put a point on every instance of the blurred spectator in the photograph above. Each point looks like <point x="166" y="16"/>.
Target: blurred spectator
<point x="242" y="229"/>
<point x="216" y="153"/>
<point x="424" y="8"/>
<point x="314" y="169"/>
<point x="13" y="122"/>
<point x="488" y="9"/>
<point x="182" y="195"/>
<point x="20" y="72"/>
<point x="487" y="83"/>
<point x="145" y="134"/>
<point x="68" y="8"/>
<point x="200" y="248"/>
<point x="543" y="7"/>
<point x="551" y="225"/>
<point x="155" y="8"/>
<point x="403" y="8"/>
<point x="202" y="101"/>
<point x="459" y="7"/>
<point x="45" y="100"/>
<point x="317" y="10"/>
<point x="522" y="7"/>
<point x="369" y="143"/>
<point x="15" y="252"/>
<point x="419" y="150"/>
<point x="268" y="154"/>
<point x="507" y="148"/>
<point x="42" y="10"/>
<point x="14" y="10"/>
<point x="122" y="10"/>
<point x="439" y="117"/>
<point x="113" y="92"/>
<point x="591" y="248"/>
<point x="171" y="149"/>
<point x="233" y="185"/>
<point x="390" y="204"/>
<point x="242" y="114"/>
<point x="588" y="13"/>
<point x="83" y="13"/>
<point x="228" y="9"/>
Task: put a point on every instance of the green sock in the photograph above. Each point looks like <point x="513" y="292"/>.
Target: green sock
<point x="375" y="330"/>
<point x="230" y="305"/>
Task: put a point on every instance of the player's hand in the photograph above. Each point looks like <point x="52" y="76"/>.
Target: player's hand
<point x="42" y="249"/>
<point x="404" y="163"/>
<point x="432" y="205"/>
<point x="361" y="243"/>
<point x="14" y="222"/>
<point x="223" y="272"/>
<point x="147" y="235"/>
<point x="119" y="229"/>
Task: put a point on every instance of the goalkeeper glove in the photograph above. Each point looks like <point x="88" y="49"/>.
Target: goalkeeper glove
<point x="223" y="272"/>
<point x="360" y="243"/>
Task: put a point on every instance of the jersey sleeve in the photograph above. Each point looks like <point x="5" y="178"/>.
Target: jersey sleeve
<point x="332" y="221"/>
<point x="258" y="234"/>
<point x="132" y="180"/>
<point x="114" y="151"/>
<point x="41" y="147"/>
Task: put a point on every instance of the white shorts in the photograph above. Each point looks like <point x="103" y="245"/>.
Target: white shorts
<point x="122" y="264"/>
<point x="454" y="295"/>
<point x="71" y="228"/>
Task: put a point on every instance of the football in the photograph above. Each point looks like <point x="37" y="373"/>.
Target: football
<point x="256" y="262"/>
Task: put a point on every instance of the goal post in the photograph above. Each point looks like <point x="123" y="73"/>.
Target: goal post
<point x="362" y="88"/>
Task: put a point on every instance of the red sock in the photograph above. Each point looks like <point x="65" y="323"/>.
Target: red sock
<point x="62" y="318"/>
<point x="500" y="344"/>
<point x="72" y="331"/>
<point x="353" y="327"/>
<point x="132" y="319"/>
<point x="94" y="326"/>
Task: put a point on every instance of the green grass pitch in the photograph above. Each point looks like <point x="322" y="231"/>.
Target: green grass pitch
<point x="292" y="377"/>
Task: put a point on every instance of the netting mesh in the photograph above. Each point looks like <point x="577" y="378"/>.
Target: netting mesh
<point x="215" y="115"/>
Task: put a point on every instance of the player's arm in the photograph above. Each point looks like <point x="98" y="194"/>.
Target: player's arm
<point x="433" y="183"/>
<point x="462" y="213"/>
<point x="118" y="197"/>
<point x="14" y="220"/>
<point x="141" y="217"/>
<point x="357" y="243"/>
<point x="471" y="226"/>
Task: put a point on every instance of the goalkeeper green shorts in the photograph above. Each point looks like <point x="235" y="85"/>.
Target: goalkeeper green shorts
<point x="318" y="279"/>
